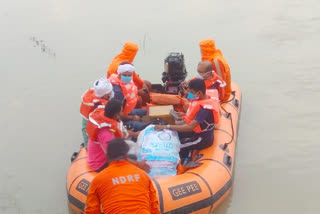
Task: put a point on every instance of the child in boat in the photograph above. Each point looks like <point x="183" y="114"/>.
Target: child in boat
<point x="201" y="118"/>
<point x="104" y="125"/>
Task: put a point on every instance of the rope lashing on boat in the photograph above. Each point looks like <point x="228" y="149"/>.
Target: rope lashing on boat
<point x="233" y="94"/>
<point x="225" y="146"/>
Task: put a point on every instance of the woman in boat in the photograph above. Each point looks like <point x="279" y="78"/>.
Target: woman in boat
<point x="103" y="126"/>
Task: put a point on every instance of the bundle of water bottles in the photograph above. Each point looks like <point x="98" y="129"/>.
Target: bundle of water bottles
<point x="160" y="149"/>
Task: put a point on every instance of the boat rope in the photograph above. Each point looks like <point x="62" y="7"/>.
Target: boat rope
<point x="228" y="116"/>
<point x="233" y="94"/>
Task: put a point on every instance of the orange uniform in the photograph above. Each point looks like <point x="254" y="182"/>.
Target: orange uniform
<point x="127" y="54"/>
<point x="219" y="63"/>
<point x="122" y="188"/>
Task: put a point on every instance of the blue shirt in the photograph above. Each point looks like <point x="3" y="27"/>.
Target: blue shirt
<point x="202" y="116"/>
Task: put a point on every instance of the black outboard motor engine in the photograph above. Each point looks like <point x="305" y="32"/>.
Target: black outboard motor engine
<point x="175" y="72"/>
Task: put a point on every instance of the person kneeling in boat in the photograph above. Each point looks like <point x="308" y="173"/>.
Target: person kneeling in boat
<point x="98" y="96"/>
<point x="121" y="188"/>
<point x="125" y="90"/>
<point x="103" y="126"/>
<point x="211" y="79"/>
<point x="200" y="120"/>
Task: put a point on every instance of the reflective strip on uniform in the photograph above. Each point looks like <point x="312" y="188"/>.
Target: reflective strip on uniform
<point x="105" y="125"/>
<point x="222" y="84"/>
<point x="94" y="122"/>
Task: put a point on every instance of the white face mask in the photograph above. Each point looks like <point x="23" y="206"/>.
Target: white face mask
<point x="205" y="76"/>
<point x="199" y="76"/>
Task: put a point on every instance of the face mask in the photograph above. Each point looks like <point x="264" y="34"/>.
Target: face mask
<point x="126" y="79"/>
<point x="199" y="76"/>
<point x="204" y="76"/>
<point x="192" y="96"/>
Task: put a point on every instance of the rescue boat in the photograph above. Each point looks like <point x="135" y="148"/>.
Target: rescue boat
<point x="194" y="190"/>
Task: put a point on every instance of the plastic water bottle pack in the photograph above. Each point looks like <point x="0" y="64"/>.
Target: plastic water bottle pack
<point x="160" y="149"/>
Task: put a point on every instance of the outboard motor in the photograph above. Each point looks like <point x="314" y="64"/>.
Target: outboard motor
<point x="175" y="72"/>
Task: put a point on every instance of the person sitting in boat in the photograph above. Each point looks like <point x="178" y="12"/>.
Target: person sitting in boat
<point x="202" y="116"/>
<point x="128" y="54"/>
<point x="210" y="53"/>
<point x="211" y="79"/>
<point x="104" y="125"/>
<point x="122" y="187"/>
<point x="95" y="97"/>
<point x="125" y="91"/>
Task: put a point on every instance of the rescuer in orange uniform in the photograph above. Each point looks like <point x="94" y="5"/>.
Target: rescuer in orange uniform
<point x="121" y="188"/>
<point x="210" y="53"/>
<point x="128" y="54"/>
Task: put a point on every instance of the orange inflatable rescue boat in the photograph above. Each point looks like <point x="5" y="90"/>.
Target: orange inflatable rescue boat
<point x="195" y="190"/>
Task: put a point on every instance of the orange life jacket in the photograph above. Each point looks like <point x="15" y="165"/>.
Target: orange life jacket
<point x="97" y="120"/>
<point x="212" y="104"/>
<point x="89" y="102"/>
<point x="219" y="63"/>
<point x="127" y="54"/>
<point x="213" y="80"/>
<point x="129" y="91"/>
<point x="212" y="93"/>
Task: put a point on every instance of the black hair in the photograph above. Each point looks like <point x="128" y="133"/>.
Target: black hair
<point x="117" y="149"/>
<point x="112" y="108"/>
<point x="197" y="85"/>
